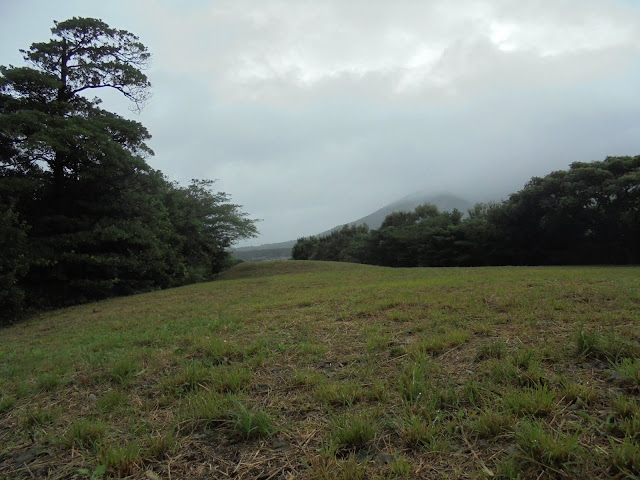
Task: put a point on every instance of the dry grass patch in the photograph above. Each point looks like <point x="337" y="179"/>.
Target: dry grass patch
<point x="320" y="370"/>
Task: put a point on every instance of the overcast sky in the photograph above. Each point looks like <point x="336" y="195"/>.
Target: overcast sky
<point x="315" y="113"/>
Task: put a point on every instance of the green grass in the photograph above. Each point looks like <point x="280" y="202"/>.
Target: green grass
<point x="491" y="349"/>
<point x="121" y="460"/>
<point x="123" y="370"/>
<point x="192" y="376"/>
<point x="625" y="458"/>
<point x="415" y="381"/>
<point x="111" y="400"/>
<point x="538" y="401"/>
<point x="6" y="403"/>
<point x="491" y="423"/>
<point x="624" y="406"/>
<point x="577" y="394"/>
<point x="352" y="430"/>
<point x="231" y="379"/>
<point x="210" y="410"/>
<point x="553" y="449"/>
<point x="609" y="346"/>
<point x="339" y="393"/>
<point x="331" y="469"/>
<point x="420" y="433"/>
<point x="38" y="417"/>
<point x="47" y="381"/>
<point x="160" y="444"/>
<point x="629" y="372"/>
<point x="86" y="433"/>
<point x="252" y="424"/>
<point x="335" y="371"/>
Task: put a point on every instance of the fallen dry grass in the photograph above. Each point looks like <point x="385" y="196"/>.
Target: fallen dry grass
<point x="318" y="370"/>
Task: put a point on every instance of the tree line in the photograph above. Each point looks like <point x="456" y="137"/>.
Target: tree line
<point x="587" y="214"/>
<point x="82" y="214"/>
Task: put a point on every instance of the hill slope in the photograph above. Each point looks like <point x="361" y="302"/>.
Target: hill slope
<point x="282" y="250"/>
<point x="320" y="370"/>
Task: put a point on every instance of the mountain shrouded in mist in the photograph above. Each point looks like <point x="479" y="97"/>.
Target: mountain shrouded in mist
<point x="282" y="250"/>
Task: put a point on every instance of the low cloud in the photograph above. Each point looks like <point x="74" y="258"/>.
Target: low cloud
<point x="312" y="114"/>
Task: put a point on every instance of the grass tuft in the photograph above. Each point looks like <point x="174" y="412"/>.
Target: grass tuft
<point x="222" y="352"/>
<point x="400" y="467"/>
<point x="210" y="409"/>
<point x="160" y="444"/>
<point x="491" y="423"/>
<point x="231" y="379"/>
<point x="625" y="457"/>
<point x="193" y="376"/>
<point x="629" y="372"/>
<point x="589" y="343"/>
<point x="343" y="394"/>
<point x="494" y="349"/>
<point x="577" y="393"/>
<point x="252" y="424"/>
<point x="86" y="433"/>
<point x="48" y="382"/>
<point x="36" y="417"/>
<point x="352" y="430"/>
<point x="123" y="370"/>
<point x="305" y="378"/>
<point x="554" y="449"/>
<point x="438" y="344"/>
<point x="624" y="406"/>
<point x="537" y="402"/>
<point x="121" y="460"/>
<point x="417" y="432"/>
<point x="111" y="400"/>
<point x="610" y="347"/>
<point x="415" y="382"/>
<point x="6" y="404"/>
<point x="328" y="468"/>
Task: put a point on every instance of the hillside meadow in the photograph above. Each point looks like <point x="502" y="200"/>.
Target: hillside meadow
<point x="320" y="370"/>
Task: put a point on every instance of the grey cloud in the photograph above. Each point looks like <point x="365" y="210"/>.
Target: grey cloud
<point x="328" y="161"/>
<point x="312" y="114"/>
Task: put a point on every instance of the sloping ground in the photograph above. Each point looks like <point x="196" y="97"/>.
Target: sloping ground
<point x="263" y="255"/>
<point x="316" y="370"/>
<point x="249" y="270"/>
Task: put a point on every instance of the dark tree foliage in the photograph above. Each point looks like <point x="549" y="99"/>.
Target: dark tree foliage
<point x="83" y="214"/>
<point x="347" y="244"/>
<point x="424" y="237"/>
<point x="588" y="214"/>
<point x="205" y="224"/>
<point x="14" y="262"/>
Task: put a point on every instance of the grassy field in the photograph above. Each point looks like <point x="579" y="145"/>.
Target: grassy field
<point x="283" y="370"/>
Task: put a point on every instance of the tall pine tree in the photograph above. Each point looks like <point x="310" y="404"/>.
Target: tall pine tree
<point x="92" y="218"/>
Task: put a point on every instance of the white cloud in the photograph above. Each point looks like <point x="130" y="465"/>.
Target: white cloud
<point x="301" y="44"/>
